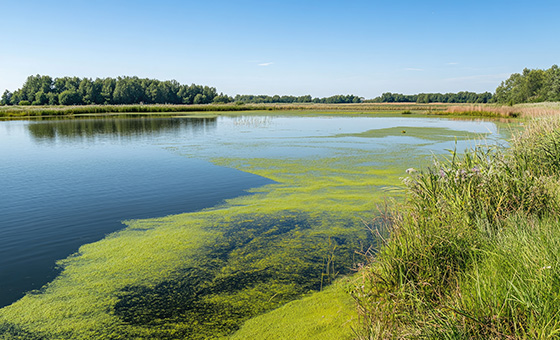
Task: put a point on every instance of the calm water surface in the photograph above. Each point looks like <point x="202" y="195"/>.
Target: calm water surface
<point x="71" y="182"/>
<point x="67" y="183"/>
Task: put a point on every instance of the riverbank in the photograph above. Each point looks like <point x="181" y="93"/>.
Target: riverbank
<point x="481" y="110"/>
<point x="473" y="252"/>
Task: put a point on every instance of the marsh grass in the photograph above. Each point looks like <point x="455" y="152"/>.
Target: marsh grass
<point x="70" y="111"/>
<point x="494" y="110"/>
<point x="473" y="252"/>
<point x="477" y="110"/>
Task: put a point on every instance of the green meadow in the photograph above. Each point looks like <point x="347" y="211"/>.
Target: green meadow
<point x="276" y="262"/>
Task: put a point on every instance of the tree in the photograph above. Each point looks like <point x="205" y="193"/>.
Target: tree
<point x="223" y="99"/>
<point x="199" y="99"/>
<point x="6" y="98"/>
<point x="41" y="98"/>
<point x="53" y="98"/>
<point x="553" y="84"/>
<point x="88" y="91"/>
<point x="70" y="97"/>
<point x="128" y="90"/>
<point x="107" y="90"/>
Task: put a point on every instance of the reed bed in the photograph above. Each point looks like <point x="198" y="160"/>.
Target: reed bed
<point x="41" y="111"/>
<point x="473" y="250"/>
<point x="484" y="110"/>
<point x="520" y="110"/>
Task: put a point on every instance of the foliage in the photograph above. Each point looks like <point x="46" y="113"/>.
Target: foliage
<point x="42" y="90"/>
<point x="460" y="97"/>
<point x="260" y="99"/>
<point x="530" y="86"/>
<point x="473" y="250"/>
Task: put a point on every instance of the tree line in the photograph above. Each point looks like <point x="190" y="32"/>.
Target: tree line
<point x="44" y="90"/>
<point x="459" y="97"/>
<point x="529" y="86"/>
<point x="262" y="99"/>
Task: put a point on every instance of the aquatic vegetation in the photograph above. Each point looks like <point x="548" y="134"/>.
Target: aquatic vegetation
<point x="202" y="275"/>
<point x="328" y="314"/>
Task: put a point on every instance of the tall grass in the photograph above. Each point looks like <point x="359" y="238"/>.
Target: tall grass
<point x="488" y="110"/>
<point x="37" y="111"/>
<point x="519" y="110"/>
<point x="473" y="251"/>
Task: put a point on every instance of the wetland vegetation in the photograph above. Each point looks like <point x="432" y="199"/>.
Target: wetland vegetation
<point x="473" y="251"/>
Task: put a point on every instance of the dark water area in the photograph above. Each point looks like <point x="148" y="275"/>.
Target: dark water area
<point x="70" y="182"/>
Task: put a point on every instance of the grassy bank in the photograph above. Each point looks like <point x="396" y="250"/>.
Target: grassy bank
<point x="70" y="111"/>
<point x="507" y="111"/>
<point x="473" y="252"/>
<point x="477" y="110"/>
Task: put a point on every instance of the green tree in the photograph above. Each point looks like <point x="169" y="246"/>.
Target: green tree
<point x="6" y="98"/>
<point x="199" y="99"/>
<point x="222" y="99"/>
<point x="552" y="87"/>
<point x="107" y="90"/>
<point x="70" y="97"/>
<point x="53" y="98"/>
<point x="41" y="98"/>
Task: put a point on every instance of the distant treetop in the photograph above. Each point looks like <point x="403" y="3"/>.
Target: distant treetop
<point x="43" y="90"/>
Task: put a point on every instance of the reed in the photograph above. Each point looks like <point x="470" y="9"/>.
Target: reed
<point x="520" y="110"/>
<point x="38" y="111"/>
<point x="473" y="249"/>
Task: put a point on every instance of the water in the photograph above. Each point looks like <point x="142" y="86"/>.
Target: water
<point x="67" y="183"/>
<point x="70" y="182"/>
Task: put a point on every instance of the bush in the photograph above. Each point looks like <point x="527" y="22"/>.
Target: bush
<point x="24" y="102"/>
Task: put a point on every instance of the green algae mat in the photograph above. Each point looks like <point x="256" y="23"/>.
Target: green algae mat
<point x="257" y="265"/>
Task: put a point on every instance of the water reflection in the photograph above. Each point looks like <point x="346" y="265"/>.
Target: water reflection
<point x="117" y="127"/>
<point x="69" y="182"/>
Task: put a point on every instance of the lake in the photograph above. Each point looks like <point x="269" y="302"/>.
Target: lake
<point x="283" y="202"/>
<point x="67" y="183"/>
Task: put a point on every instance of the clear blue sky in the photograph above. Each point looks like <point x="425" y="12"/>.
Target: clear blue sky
<point x="300" y="47"/>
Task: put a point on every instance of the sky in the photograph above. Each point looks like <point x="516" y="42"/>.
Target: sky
<point x="321" y="48"/>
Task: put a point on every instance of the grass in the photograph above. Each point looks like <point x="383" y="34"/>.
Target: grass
<point x="19" y="112"/>
<point x="474" y="110"/>
<point x="494" y="110"/>
<point x="473" y="252"/>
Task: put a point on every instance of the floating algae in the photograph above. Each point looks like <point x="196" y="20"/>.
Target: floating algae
<point x="202" y="275"/>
